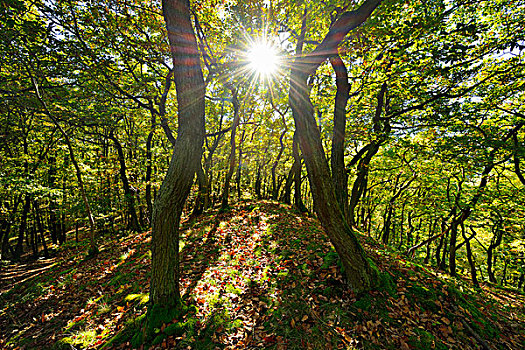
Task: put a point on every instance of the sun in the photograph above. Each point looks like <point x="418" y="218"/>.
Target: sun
<point x="263" y="59"/>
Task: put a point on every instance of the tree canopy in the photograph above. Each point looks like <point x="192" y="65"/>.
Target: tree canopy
<point x="400" y="122"/>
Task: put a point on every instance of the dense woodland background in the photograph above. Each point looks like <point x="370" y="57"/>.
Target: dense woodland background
<point x="424" y="103"/>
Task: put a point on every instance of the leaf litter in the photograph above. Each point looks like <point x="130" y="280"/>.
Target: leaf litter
<point x="261" y="276"/>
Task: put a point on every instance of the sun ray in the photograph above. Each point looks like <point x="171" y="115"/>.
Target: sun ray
<point x="263" y="59"/>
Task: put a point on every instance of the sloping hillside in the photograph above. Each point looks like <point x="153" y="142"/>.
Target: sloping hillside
<point x="260" y="276"/>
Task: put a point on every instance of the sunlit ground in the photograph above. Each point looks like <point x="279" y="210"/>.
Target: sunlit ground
<point x="260" y="275"/>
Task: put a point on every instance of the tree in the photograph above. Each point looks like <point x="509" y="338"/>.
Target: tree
<point x="360" y="274"/>
<point x="189" y="82"/>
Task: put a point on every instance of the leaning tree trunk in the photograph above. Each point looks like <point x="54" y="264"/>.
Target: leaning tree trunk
<point x="189" y="82"/>
<point x="359" y="272"/>
<point x="337" y="159"/>
<point x="470" y="257"/>
<point x="381" y="129"/>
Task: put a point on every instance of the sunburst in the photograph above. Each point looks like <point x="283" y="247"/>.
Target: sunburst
<point x="263" y="59"/>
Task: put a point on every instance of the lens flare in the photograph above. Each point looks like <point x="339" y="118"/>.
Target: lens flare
<point x="263" y="59"/>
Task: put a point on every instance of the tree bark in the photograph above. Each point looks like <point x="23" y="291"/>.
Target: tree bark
<point x="93" y="249"/>
<point x="129" y="197"/>
<point x="6" y="248"/>
<point x="22" y="228"/>
<point x="358" y="270"/>
<point x="364" y="156"/>
<point x="297" y="172"/>
<point x="53" y="222"/>
<point x="470" y="256"/>
<point x="275" y="187"/>
<point x="231" y="159"/>
<point x="286" y="197"/>
<point x="38" y="219"/>
<point x="337" y="159"/>
<point x="187" y="151"/>
<point x="495" y="242"/>
<point x="239" y="167"/>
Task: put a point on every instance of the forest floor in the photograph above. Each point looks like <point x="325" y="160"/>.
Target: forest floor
<point x="261" y="276"/>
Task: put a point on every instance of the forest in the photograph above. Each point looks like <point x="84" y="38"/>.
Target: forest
<point x="262" y="174"/>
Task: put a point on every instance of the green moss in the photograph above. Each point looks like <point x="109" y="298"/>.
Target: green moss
<point x="422" y="292"/>
<point x="158" y="339"/>
<point x="137" y="340"/>
<point x="174" y="329"/>
<point x="121" y="279"/>
<point x="131" y="328"/>
<point x="364" y="303"/>
<point x="424" y="340"/>
<point x="330" y="259"/>
<point x="141" y="298"/>
<point x="375" y="274"/>
<point x="387" y="284"/>
<point x="158" y="315"/>
<point x="73" y="326"/>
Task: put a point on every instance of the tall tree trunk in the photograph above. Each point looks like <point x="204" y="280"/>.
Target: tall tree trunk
<point x="381" y="130"/>
<point x="5" y="240"/>
<point x="470" y="256"/>
<point x="93" y="249"/>
<point x="208" y="188"/>
<point x="497" y="237"/>
<point x="337" y="159"/>
<point x="359" y="273"/>
<point x="22" y="228"/>
<point x="53" y="224"/>
<point x="129" y="197"/>
<point x="149" y="140"/>
<point x="149" y="166"/>
<point x="38" y="219"/>
<point x="452" y="248"/>
<point x="231" y="159"/>
<point x="286" y="197"/>
<point x="297" y="172"/>
<point x="388" y="221"/>
<point x="187" y="151"/>
<point x="275" y="187"/>
<point x="258" y="181"/>
<point x="239" y="167"/>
